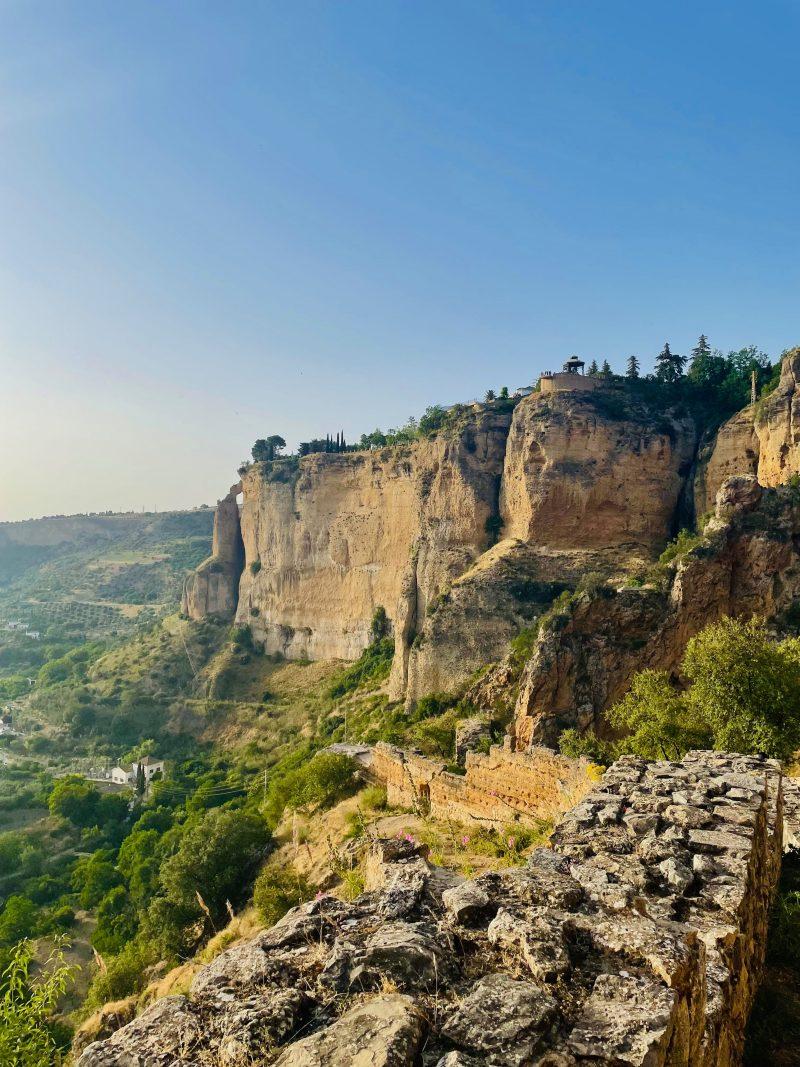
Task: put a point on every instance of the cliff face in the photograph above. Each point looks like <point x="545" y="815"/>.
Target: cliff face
<point x="572" y="482"/>
<point x="353" y="531"/>
<point x="593" y="472"/>
<point x="763" y="440"/>
<point x="590" y="483"/>
<point x="213" y="588"/>
<point x="749" y="564"/>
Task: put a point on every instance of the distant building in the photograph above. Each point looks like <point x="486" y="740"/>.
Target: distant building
<point x="128" y="775"/>
<point x="524" y="390"/>
<point x="35" y="634"/>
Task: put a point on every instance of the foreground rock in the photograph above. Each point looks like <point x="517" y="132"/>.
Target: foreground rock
<point x="637" y="940"/>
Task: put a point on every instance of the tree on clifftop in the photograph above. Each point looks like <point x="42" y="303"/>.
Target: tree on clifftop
<point x="632" y="370"/>
<point x="669" y="365"/>
<point x="593" y="368"/>
<point x="266" y="449"/>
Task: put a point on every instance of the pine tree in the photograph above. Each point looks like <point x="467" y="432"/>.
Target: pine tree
<point x="632" y="370"/>
<point x="669" y="365"/>
<point x="702" y="349"/>
<point x="593" y="367"/>
<point x="606" y="369"/>
<point x="705" y="368"/>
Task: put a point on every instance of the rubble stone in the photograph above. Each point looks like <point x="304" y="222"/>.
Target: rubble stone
<point x="633" y="942"/>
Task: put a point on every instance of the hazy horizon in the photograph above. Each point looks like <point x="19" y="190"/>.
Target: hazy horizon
<point x="221" y="224"/>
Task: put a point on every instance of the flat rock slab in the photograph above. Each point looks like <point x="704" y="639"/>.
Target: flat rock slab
<point x="385" y="1031"/>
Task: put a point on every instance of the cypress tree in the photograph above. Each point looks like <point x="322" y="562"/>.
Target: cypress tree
<point x="632" y="370"/>
<point x="606" y="368"/>
<point x="593" y="367"/>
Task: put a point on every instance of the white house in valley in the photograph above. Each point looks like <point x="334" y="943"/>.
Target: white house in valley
<point x="128" y="775"/>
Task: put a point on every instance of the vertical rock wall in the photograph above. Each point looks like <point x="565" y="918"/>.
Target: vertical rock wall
<point x="213" y="589"/>
<point x="763" y="440"/>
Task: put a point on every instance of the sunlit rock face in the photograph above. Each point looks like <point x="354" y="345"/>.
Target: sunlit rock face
<point x="213" y="589"/>
<point x="463" y="538"/>
<point x="748" y="564"/>
<point x="762" y="440"/>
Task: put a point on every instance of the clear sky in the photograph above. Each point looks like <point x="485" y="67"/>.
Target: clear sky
<point x="224" y="220"/>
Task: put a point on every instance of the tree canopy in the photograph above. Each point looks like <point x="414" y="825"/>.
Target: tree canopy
<point x="743" y="696"/>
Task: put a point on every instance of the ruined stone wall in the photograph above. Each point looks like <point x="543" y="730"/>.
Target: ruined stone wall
<point x="637" y="940"/>
<point x="498" y="787"/>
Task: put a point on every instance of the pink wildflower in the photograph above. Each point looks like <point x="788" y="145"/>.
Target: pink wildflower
<point x="465" y="841"/>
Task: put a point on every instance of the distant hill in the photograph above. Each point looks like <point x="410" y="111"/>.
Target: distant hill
<point x="88" y="577"/>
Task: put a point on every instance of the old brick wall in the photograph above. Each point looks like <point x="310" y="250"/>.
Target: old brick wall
<point x="498" y="787"/>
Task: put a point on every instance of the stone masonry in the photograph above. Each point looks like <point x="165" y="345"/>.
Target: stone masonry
<point x="636" y="941"/>
<point x="497" y="788"/>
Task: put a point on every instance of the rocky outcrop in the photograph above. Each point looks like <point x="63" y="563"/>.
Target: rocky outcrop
<point x="733" y="452"/>
<point x="594" y="472"/>
<point x="213" y="589"/>
<point x="762" y="439"/>
<point x="638" y="940"/>
<point x="748" y="563"/>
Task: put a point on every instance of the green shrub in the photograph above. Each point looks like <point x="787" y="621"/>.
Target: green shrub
<point x="372" y="666"/>
<point x="125" y="973"/>
<point x="277" y="889"/>
<point x="379" y="627"/>
<point x="255" y="566"/>
<point x="521" y="647"/>
<point x="318" y="783"/>
<point x="589" y="746"/>
<point x="374" y="797"/>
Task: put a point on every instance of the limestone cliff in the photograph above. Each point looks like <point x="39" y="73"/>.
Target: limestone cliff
<point x="327" y="543"/>
<point x="595" y="471"/>
<point x="571" y="482"/>
<point x="763" y="439"/>
<point x="590" y="483"/>
<point x="749" y="563"/>
<point x="213" y="588"/>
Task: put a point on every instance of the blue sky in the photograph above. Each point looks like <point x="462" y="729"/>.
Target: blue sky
<point x="219" y="221"/>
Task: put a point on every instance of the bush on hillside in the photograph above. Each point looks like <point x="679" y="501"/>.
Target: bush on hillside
<point x="744" y="696"/>
<point x="277" y="889"/>
<point x="319" y="783"/>
<point x="373" y="666"/>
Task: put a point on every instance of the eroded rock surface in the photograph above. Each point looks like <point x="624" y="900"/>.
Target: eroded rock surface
<point x="213" y="589"/>
<point x="748" y="564"/>
<point x="637" y="940"/>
